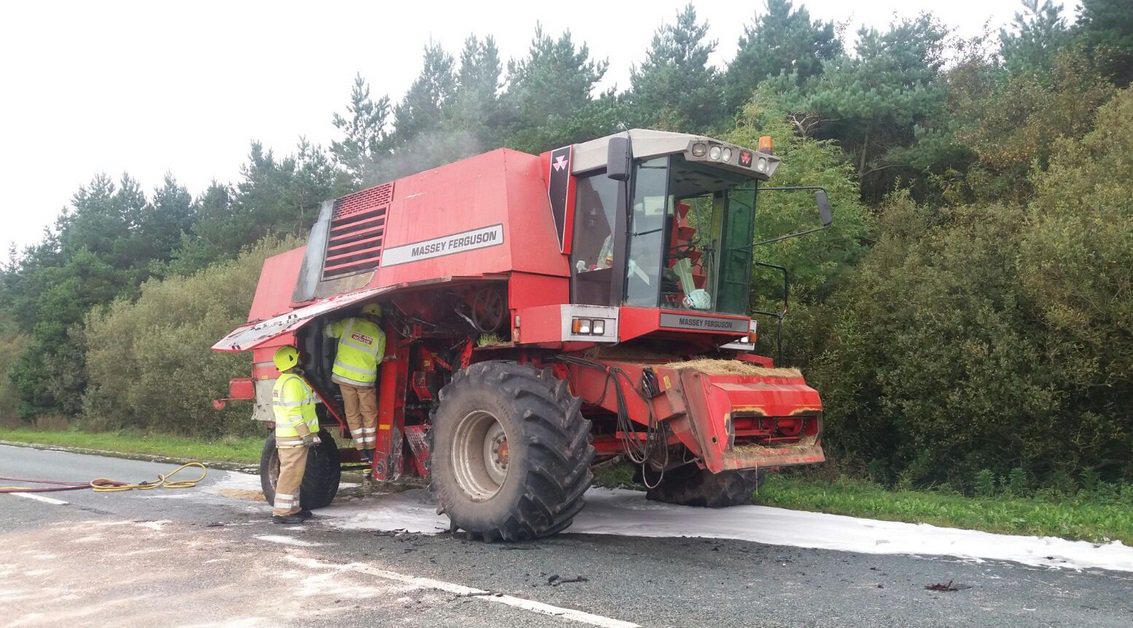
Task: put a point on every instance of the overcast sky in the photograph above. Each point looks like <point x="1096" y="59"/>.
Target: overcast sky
<point x="149" y="87"/>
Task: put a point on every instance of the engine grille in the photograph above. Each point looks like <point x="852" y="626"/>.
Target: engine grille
<point x="357" y="229"/>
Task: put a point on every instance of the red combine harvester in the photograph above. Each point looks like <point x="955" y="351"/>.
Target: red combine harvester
<point x="544" y="313"/>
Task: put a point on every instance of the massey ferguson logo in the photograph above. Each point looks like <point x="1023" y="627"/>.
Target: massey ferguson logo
<point x="704" y="323"/>
<point x="444" y="245"/>
<point x="558" y="190"/>
<point x="362" y="338"/>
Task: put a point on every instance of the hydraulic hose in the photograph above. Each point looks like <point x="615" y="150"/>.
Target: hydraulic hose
<point x="104" y="485"/>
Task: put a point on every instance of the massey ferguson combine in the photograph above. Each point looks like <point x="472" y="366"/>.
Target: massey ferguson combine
<point x="544" y="314"/>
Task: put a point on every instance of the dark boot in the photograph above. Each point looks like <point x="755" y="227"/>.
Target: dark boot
<point x="288" y="519"/>
<point x="305" y="514"/>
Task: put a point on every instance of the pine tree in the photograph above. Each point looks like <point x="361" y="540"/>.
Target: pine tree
<point x="475" y="109"/>
<point x="422" y="109"/>
<point x="548" y="101"/>
<point x="877" y="100"/>
<point x="364" y="129"/>
<point x="675" y="88"/>
<point x="1106" y="28"/>
<point x="165" y="221"/>
<point x="784" y="40"/>
<point x="1038" y="32"/>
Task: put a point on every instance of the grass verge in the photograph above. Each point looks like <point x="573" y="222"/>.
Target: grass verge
<point x="1085" y="517"/>
<point x="231" y="450"/>
<point x="1080" y="518"/>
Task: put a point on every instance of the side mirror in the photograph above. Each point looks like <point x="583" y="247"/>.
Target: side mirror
<point x="824" y="208"/>
<point x="619" y="156"/>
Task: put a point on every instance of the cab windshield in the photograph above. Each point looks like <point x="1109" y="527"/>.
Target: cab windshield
<point x="689" y="242"/>
<point x="690" y="237"/>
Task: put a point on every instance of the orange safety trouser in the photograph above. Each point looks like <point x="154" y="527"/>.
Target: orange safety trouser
<point x="361" y="404"/>
<point x="292" y="465"/>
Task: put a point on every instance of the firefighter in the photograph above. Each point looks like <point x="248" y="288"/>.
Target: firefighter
<point x="296" y="430"/>
<point x="361" y="348"/>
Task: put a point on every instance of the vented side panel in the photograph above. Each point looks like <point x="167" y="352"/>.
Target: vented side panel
<point x="357" y="230"/>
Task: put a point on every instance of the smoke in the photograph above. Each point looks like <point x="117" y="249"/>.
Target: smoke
<point x="426" y="150"/>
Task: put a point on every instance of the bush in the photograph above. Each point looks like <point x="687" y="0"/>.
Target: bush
<point x="12" y="345"/>
<point x="149" y="361"/>
<point x="1076" y="256"/>
<point x="993" y="337"/>
<point x="928" y="362"/>
<point x="936" y="361"/>
<point x="1017" y="484"/>
<point x="985" y="483"/>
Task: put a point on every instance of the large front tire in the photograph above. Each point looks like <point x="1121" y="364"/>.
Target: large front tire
<point x="511" y="452"/>
<point x="320" y="480"/>
<point x="692" y="486"/>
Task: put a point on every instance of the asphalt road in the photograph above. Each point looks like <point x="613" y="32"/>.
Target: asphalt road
<point x="209" y="556"/>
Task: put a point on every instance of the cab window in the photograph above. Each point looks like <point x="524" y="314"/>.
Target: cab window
<point x="592" y="252"/>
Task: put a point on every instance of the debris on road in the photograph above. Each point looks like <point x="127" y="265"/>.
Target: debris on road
<point x="556" y="580"/>
<point x="940" y="586"/>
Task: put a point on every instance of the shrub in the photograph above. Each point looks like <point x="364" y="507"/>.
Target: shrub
<point x="1075" y="261"/>
<point x="931" y="361"/>
<point x="11" y="346"/>
<point x="1017" y="484"/>
<point x="149" y="361"/>
<point x="985" y="483"/>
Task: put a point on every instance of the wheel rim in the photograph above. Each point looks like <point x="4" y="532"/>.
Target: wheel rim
<point x="480" y="455"/>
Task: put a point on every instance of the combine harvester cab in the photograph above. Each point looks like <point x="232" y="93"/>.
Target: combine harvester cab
<point x="544" y="313"/>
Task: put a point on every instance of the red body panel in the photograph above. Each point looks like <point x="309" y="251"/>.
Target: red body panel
<point x="526" y="290"/>
<point x="277" y="281"/>
<point x="780" y="414"/>
<point x="263" y="367"/>
<point x="503" y="187"/>
<point x="722" y="399"/>
<point x="241" y="388"/>
<point x="541" y="325"/>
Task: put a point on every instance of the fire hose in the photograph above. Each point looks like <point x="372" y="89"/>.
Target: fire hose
<point x="104" y="485"/>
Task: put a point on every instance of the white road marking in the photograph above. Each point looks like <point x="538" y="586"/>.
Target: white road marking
<point x="480" y="594"/>
<point x="41" y="498"/>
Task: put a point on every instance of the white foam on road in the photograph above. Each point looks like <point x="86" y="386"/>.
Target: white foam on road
<point x="627" y="513"/>
<point x="286" y="540"/>
<point x="412" y="511"/>
<point x="234" y="480"/>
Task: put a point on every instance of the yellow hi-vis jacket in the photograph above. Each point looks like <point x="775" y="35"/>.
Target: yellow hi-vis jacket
<point x="293" y="403"/>
<point x="361" y="347"/>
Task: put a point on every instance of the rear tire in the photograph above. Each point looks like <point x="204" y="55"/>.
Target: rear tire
<point x="511" y="452"/>
<point x="692" y="486"/>
<point x="320" y="480"/>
